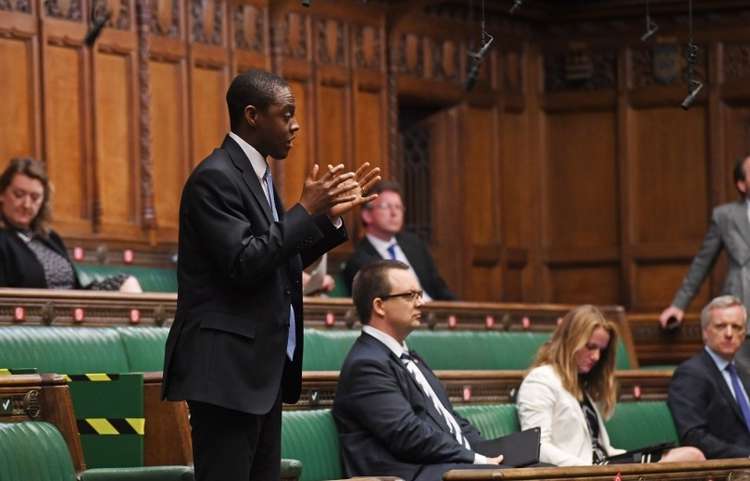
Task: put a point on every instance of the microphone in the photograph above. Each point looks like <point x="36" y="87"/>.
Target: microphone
<point x="96" y="28"/>
<point x="477" y="58"/>
<point x="306" y="3"/>
<point x="695" y="86"/>
<point x="651" y="28"/>
<point x="516" y="5"/>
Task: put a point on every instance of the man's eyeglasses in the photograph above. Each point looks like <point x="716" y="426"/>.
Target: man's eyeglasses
<point x="411" y="296"/>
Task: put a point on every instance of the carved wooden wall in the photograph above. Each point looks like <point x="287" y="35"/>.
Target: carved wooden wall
<point x="569" y="174"/>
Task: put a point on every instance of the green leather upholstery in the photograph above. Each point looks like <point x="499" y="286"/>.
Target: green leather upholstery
<point x="311" y="437"/>
<point x="152" y="279"/>
<point x="144" y="347"/>
<point x="639" y="424"/>
<point x="442" y="350"/>
<point x="492" y="420"/>
<point x="65" y="350"/>
<point x="36" y="451"/>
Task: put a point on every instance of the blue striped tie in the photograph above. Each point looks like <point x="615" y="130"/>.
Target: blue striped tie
<point x="737" y="387"/>
<point x="291" y="341"/>
<point x="392" y="251"/>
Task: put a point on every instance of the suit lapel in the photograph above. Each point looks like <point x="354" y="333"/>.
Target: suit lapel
<point x="241" y="162"/>
<point x="739" y="216"/>
<point x="370" y="249"/>
<point x="410" y="252"/>
<point x="722" y="385"/>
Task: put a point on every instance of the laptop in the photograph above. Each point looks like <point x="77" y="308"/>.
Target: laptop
<point x="518" y="449"/>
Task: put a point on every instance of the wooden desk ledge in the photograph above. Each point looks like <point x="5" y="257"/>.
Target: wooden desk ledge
<point x="715" y="469"/>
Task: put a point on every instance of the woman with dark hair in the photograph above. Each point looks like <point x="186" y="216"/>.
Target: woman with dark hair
<point x="570" y="386"/>
<point x="31" y="254"/>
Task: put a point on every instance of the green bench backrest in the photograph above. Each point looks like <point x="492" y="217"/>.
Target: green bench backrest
<point x="311" y="437"/>
<point x="65" y="350"/>
<point x="152" y="279"/>
<point x="638" y="424"/>
<point x="144" y="347"/>
<point x="34" y="451"/>
<point x="442" y="350"/>
<point x="492" y="420"/>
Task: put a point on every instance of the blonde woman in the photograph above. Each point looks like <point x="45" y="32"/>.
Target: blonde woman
<point x="571" y="390"/>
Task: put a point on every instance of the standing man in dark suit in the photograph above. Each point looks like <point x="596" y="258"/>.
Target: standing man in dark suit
<point x="393" y="415"/>
<point x="708" y="395"/>
<point x="234" y="351"/>
<point x="730" y="230"/>
<point x="383" y="221"/>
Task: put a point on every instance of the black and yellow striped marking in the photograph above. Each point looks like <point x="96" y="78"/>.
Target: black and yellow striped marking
<point x="10" y="372"/>
<point x="112" y="426"/>
<point x="92" y="377"/>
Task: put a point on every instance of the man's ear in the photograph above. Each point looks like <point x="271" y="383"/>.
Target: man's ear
<point x="377" y="307"/>
<point x="366" y="216"/>
<point x="742" y="186"/>
<point x="251" y="115"/>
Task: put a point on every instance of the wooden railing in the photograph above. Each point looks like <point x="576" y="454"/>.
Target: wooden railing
<point x="654" y="345"/>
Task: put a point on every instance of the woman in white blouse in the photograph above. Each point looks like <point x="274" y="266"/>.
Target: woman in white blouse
<point x="571" y="385"/>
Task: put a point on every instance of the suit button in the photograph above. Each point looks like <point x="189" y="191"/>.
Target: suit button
<point x="288" y="292"/>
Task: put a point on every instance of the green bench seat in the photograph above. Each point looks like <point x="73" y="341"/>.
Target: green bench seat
<point x="325" y="350"/>
<point x="36" y="451"/>
<point x="152" y="279"/>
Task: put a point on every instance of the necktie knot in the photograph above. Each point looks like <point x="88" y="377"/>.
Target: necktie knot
<point x="406" y="356"/>
<point x="731" y="369"/>
<point x="392" y="251"/>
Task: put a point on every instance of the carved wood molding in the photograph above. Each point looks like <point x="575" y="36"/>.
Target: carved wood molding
<point x="249" y="27"/>
<point x="208" y="21"/>
<point x="368" y="47"/>
<point x="445" y="60"/>
<point x="120" y="11"/>
<point x="165" y="18"/>
<point x="664" y="64"/>
<point x="292" y="36"/>
<point x="330" y="34"/>
<point x="736" y="61"/>
<point x="144" y="120"/>
<point x="580" y="69"/>
<point x="18" y="6"/>
<point x="64" y="9"/>
<point x="410" y="59"/>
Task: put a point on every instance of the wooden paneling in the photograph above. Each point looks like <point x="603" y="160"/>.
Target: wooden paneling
<point x="297" y="164"/>
<point x="169" y="142"/>
<point x="369" y="129"/>
<point x="65" y="136"/>
<point x="585" y="284"/>
<point x="656" y="284"/>
<point x="581" y="181"/>
<point x="18" y="105"/>
<point x="670" y="192"/>
<point x="115" y="144"/>
<point x="210" y="118"/>
<point x="332" y="106"/>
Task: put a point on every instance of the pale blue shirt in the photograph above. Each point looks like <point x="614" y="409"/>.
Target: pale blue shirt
<point x="400" y="348"/>
<point x="722" y="364"/>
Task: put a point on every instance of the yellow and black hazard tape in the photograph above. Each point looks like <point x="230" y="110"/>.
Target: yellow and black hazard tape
<point x="112" y="426"/>
<point x="92" y="377"/>
<point x="10" y="372"/>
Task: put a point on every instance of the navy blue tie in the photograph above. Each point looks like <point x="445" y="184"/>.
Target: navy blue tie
<point x="392" y="251"/>
<point x="291" y="341"/>
<point x="738" y="395"/>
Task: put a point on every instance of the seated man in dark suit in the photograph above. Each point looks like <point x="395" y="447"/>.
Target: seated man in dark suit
<point x="708" y="395"/>
<point x="383" y="220"/>
<point x="393" y="416"/>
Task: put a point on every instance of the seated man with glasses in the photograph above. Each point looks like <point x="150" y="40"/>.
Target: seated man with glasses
<point x="392" y="413"/>
<point x="383" y="220"/>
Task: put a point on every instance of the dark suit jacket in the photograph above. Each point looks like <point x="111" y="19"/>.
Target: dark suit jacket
<point x="386" y="424"/>
<point x="238" y="275"/>
<point x="419" y="257"/>
<point x="704" y="410"/>
<point x="19" y="267"/>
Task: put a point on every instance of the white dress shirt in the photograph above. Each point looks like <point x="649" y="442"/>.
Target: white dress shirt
<point x="398" y="349"/>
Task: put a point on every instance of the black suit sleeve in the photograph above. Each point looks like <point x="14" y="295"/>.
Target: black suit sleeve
<point x="374" y="397"/>
<point x="242" y="252"/>
<point x="331" y="238"/>
<point x="690" y="394"/>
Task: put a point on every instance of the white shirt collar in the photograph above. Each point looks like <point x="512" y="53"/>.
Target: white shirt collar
<point x="380" y="245"/>
<point x="386" y="339"/>
<point x="720" y="362"/>
<point x="257" y="161"/>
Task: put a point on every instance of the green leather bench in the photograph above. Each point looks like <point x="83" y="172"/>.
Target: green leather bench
<point x="325" y="350"/>
<point x="311" y="437"/>
<point x="152" y="279"/>
<point x="36" y="451"/>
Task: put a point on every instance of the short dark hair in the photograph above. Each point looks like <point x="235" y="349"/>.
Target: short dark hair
<point x="739" y="170"/>
<point x="371" y="282"/>
<point x="34" y="169"/>
<point x="385" y="186"/>
<point x="254" y="87"/>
